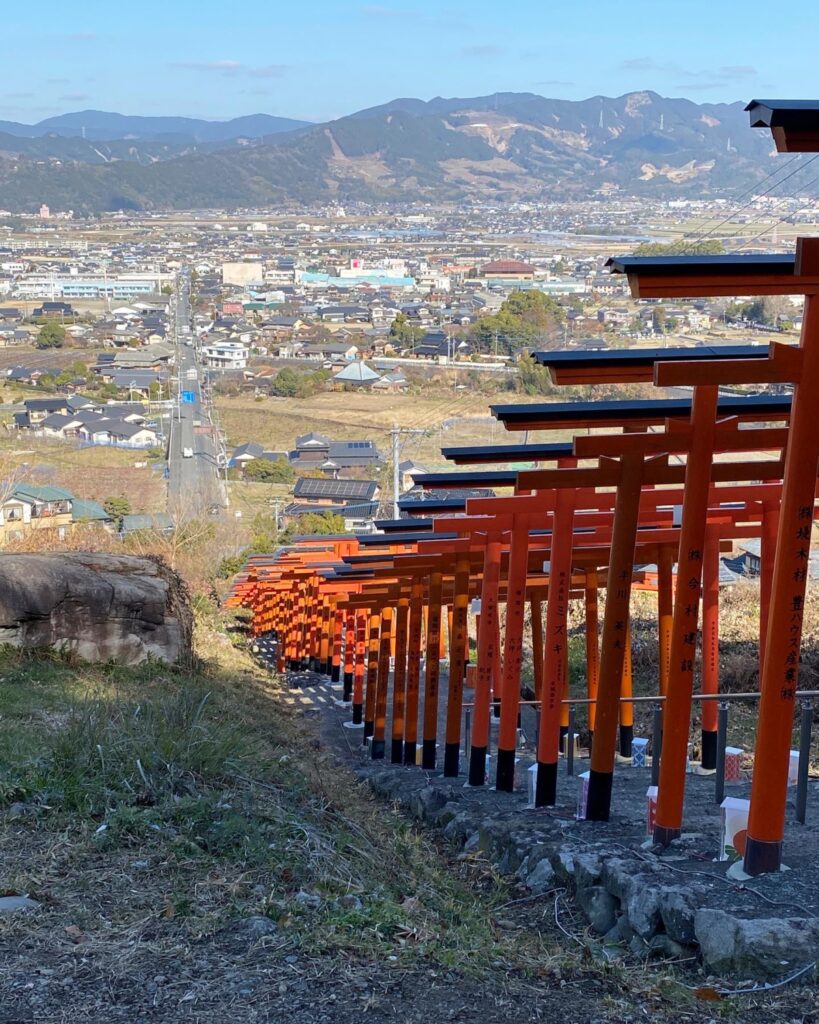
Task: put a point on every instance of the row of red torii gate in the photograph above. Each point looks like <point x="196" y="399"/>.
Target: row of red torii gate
<point x="667" y="482"/>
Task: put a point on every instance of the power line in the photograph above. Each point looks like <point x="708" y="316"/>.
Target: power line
<point x="756" y="195"/>
<point x="781" y="220"/>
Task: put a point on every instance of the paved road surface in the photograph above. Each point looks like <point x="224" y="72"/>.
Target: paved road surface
<point x="194" y="485"/>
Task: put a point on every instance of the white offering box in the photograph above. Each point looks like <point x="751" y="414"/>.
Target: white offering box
<point x="793" y="768"/>
<point x="733" y="827"/>
<point x="582" y="795"/>
<point x="651" y="809"/>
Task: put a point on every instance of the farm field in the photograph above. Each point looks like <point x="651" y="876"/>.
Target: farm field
<point x="92" y="473"/>
<point x="442" y="419"/>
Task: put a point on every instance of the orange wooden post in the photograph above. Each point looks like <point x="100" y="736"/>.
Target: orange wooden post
<point x="780" y="671"/>
<point x="555" y="661"/>
<point x="349" y="655"/>
<point x="677" y="710"/>
<point x="592" y="645"/>
<point x="416" y="621"/>
<point x="458" y="641"/>
<point x="433" y="672"/>
<point x="399" y="680"/>
<point x="770" y="526"/>
<point x="710" y="647"/>
<point x="324" y="639"/>
<point x="512" y="654"/>
<point x="338" y="633"/>
<point x="372" y="673"/>
<point x="538" y="651"/>
<point x="487" y="643"/>
<point x="379" y="743"/>
<point x="361" y="623"/>
<point x="612" y="652"/>
<point x="665" y="611"/>
<point x="627" y="690"/>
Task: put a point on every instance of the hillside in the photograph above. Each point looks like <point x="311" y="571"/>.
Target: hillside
<point x="516" y="145"/>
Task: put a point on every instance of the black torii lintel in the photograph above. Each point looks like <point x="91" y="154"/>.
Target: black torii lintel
<point x="487" y="454"/>
<point x="794" y="124"/>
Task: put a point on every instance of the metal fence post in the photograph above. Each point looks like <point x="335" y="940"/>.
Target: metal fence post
<point x="656" y="743"/>
<point x="722" y="739"/>
<point x="804" y="761"/>
<point x="570" y="743"/>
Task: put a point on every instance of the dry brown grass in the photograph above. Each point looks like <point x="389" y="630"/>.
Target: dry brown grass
<point x="94" y="473"/>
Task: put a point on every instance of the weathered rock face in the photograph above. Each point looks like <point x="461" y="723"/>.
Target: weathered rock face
<point x="101" y="607"/>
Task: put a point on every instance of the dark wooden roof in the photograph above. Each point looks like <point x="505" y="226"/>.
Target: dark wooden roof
<point x="398" y="525"/>
<point x="753" y="264"/>
<point x="476" y="478"/>
<point x="500" y="453"/>
<point x="615" y="413"/>
<point x="643" y="356"/>
<point x="794" y="124"/>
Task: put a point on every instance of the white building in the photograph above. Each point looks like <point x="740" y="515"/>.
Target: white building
<point x="225" y="355"/>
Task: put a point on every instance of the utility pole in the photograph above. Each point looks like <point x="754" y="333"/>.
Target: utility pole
<point x="395" y="434"/>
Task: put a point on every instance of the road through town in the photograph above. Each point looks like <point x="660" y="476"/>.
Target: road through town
<point x="194" y="484"/>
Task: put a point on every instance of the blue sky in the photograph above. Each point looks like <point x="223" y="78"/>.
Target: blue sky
<point x="320" y="59"/>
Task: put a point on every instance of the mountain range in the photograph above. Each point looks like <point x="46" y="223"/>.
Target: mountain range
<point x="506" y="145"/>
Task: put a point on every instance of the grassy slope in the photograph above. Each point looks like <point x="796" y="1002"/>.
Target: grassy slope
<point x="150" y="811"/>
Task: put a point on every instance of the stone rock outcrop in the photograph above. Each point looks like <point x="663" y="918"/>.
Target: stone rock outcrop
<point x="99" y="607"/>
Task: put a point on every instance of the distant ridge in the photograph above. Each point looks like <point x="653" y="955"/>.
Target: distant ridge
<point x="501" y="147"/>
<point x="101" y="125"/>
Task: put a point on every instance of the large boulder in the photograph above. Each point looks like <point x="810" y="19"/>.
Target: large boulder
<point x="99" y="607"/>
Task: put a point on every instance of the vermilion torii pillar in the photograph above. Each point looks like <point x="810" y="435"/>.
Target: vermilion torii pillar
<point x="735" y="276"/>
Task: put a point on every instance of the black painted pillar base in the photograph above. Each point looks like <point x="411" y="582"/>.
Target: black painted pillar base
<point x="626" y="736"/>
<point x="564" y="732"/>
<point x="295" y="665"/>
<point x="598" y="804"/>
<point x="348" y="685"/>
<point x="378" y="749"/>
<point x="304" y="664"/>
<point x="709" y="749"/>
<point x="451" y="760"/>
<point x="546" y="785"/>
<point x="761" y="857"/>
<point x="369" y="729"/>
<point x="397" y="752"/>
<point x="664" y="836"/>
<point x="428" y="754"/>
<point x="505" y="778"/>
<point x="410" y="752"/>
<point x="477" y="766"/>
<point x="358" y="714"/>
<point x="335" y="674"/>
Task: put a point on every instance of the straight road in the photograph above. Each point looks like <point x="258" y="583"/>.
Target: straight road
<point x="194" y="485"/>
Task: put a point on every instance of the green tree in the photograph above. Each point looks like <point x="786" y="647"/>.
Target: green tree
<point x="526" y="319"/>
<point x="286" y="383"/>
<point x="52" y="335"/>
<point x="405" y="333"/>
<point x="532" y="378"/>
<point x="707" y="247"/>
<point x="117" y="507"/>
<point x="265" y="471"/>
<point x="314" y="524"/>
